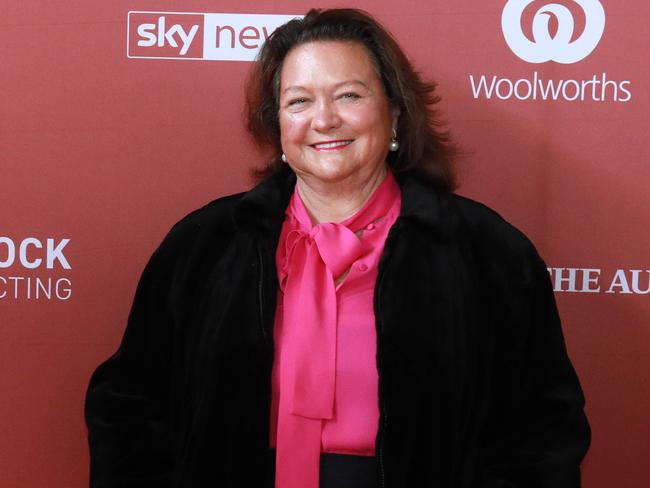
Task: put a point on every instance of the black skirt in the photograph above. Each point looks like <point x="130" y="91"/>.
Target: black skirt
<point x="339" y="471"/>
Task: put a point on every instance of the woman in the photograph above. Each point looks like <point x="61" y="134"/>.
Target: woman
<point x="349" y="321"/>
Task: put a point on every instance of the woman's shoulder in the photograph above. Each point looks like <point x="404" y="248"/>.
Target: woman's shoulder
<point x="217" y="212"/>
<point x="490" y="231"/>
<point x="229" y="219"/>
<point x="207" y="226"/>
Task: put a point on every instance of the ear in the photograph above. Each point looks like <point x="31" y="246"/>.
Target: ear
<point x="395" y="113"/>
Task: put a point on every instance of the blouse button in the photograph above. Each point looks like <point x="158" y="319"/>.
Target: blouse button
<point x="370" y="226"/>
<point x="362" y="267"/>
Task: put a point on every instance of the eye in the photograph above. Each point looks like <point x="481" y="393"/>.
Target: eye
<point x="350" y="96"/>
<point x="296" y="101"/>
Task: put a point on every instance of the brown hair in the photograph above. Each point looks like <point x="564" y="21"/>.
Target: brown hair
<point x="424" y="147"/>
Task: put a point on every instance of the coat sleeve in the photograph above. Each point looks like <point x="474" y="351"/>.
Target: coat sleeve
<point x="127" y="402"/>
<point x="539" y="434"/>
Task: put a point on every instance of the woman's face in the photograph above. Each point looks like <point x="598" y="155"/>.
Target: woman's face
<point x="335" y="119"/>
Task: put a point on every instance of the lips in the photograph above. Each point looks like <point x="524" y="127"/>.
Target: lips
<point x="331" y="145"/>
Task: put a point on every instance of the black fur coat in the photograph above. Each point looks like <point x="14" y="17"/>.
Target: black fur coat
<point x="475" y="386"/>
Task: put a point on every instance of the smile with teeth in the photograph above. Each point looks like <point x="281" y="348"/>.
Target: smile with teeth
<point x="331" y="145"/>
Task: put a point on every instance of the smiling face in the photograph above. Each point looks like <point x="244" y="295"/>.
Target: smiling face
<point x="335" y="119"/>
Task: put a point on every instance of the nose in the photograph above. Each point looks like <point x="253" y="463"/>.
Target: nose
<point x="325" y="116"/>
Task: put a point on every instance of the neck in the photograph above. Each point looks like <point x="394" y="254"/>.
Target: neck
<point x="336" y="202"/>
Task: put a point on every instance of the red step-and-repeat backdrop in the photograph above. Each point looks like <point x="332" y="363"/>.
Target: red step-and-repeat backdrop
<point x="118" y="118"/>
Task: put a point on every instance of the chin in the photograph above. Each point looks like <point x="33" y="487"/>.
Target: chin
<point x="331" y="172"/>
<point x="327" y="177"/>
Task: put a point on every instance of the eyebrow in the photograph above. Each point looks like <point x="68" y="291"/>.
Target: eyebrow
<point x="338" y="85"/>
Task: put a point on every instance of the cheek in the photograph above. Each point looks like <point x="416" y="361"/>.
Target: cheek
<point x="371" y="121"/>
<point x="292" y="129"/>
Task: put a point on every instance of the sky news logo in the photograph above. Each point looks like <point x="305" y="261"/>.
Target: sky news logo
<point x="199" y="36"/>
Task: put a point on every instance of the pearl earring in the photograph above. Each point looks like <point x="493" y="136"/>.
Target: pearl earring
<point x="394" y="145"/>
<point x="283" y="158"/>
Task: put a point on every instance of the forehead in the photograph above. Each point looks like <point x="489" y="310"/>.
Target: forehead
<point x="327" y="62"/>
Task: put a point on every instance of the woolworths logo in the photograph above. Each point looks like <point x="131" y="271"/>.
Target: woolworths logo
<point x="559" y="47"/>
<point x="563" y="46"/>
<point x="598" y="89"/>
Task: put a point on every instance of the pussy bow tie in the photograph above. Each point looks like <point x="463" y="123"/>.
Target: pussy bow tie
<point x="310" y="259"/>
<point x="317" y="258"/>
